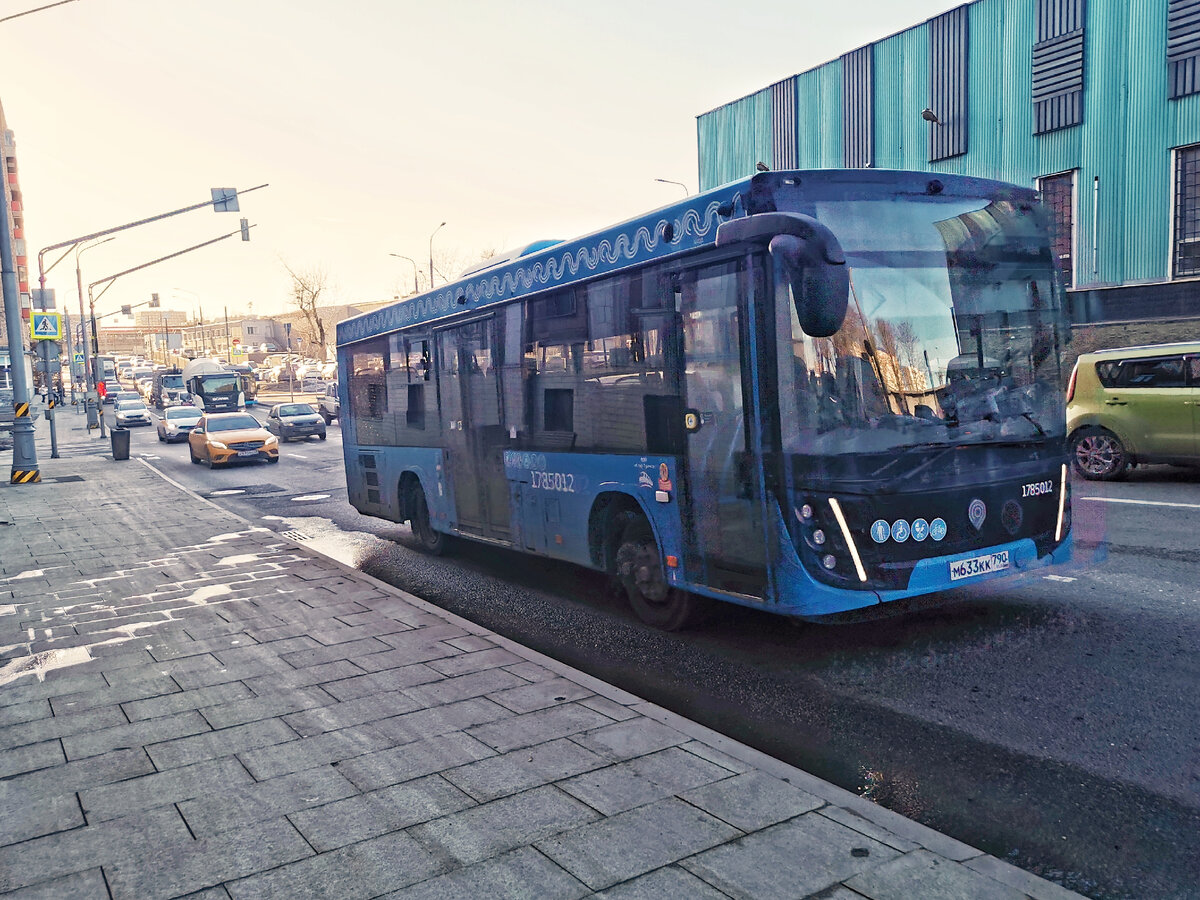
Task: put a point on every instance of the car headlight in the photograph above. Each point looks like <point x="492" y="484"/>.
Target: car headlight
<point x="218" y="445"/>
<point x="270" y="441"/>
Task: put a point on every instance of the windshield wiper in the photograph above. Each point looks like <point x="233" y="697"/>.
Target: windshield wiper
<point x="891" y="484"/>
<point x="1034" y="422"/>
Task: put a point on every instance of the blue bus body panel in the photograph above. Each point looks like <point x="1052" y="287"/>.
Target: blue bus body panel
<point x="553" y="495"/>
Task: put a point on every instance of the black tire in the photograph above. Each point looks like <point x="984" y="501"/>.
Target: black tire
<point x="272" y="459"/>
<point x="326" y="417"/>
<point x="431" y="541"/>
<point x="639" y="568"/>
<point x="321" y="435"/>
<point x="162" y="438"/>
<point x="192" y="454"/>
<point x="1099" y="455"/>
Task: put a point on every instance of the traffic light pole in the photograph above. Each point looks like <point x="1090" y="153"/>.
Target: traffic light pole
<point x="24" y="462"/>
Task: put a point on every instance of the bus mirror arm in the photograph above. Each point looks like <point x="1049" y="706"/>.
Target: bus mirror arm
<point x="811" y="256"/>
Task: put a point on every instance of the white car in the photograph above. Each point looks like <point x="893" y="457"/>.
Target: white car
<point x="177" y="422"/>
<point x="132" y="412"/>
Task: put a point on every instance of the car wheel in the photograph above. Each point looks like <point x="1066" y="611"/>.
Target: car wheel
<point x="322" y="435"/>
<point x="432" y="542"/>
<point x="1099" y="455"/>
<point x="639" y="570"/>
<point x="326" y="417"/>
<point x="192" y="454"/>
<point x="162" y="438"/>
<point x="272" y="459"/>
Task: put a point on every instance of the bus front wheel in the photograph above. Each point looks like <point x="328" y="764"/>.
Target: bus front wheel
<point x="432" y="542"/>
<point x="640" y="571"/>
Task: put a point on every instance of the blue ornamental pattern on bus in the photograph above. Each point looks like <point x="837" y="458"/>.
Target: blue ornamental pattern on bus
<point x="636" y="243"/>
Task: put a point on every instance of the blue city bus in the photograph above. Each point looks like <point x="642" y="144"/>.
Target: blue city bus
<point x="818" y="393"/>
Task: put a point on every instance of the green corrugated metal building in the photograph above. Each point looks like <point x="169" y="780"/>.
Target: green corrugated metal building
<point x="1097" y="102"/>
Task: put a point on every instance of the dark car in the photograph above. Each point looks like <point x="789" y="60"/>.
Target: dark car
<point x="295" y="420"/>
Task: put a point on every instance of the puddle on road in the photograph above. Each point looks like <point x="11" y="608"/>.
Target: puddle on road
<point x="324" y="536"/>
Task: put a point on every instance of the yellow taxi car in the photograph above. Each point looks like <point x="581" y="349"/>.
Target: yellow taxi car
<point x="223" y="438"/>
<point x="1134" y="405"/>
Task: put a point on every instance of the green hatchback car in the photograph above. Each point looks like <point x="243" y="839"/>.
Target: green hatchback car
<point x="1134" y="405"/>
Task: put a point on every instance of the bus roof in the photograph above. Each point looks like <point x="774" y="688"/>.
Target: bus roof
<point x="672" y="230"/>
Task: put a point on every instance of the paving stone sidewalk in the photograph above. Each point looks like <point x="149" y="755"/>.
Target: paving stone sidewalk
<point x="191" y="704"/>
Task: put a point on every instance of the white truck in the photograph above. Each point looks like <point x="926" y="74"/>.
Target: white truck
<point x="213" y="388"/>
<point x="328" y="404"/>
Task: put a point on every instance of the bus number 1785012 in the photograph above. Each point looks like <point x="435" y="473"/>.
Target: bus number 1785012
<point x="553" y="481"/>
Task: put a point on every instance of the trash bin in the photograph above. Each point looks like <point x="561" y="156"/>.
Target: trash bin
<point x="120" y="442"/>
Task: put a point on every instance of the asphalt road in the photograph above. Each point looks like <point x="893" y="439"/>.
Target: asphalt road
<point x="1051" y="722"/>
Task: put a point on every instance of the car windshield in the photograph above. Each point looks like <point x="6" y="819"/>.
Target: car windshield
<point x="953" y="333"/>
<point x="297" y="409"/>
<point x="180" y="412"/>
<point x="233" y="423"/>
<point x="130" y="404"/>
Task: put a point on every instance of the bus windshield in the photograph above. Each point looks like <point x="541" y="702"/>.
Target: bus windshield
<point x="172" y="382"/>
<point x="952" y="335"/>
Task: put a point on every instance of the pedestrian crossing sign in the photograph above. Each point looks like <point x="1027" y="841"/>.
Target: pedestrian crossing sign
<point x="45" y="326"/>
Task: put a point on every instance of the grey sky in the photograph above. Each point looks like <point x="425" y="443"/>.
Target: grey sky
<point x="374" y="121"/>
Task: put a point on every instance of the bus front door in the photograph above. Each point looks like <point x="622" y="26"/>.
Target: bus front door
<point x="469" y="390"/>
<point x="723" y="509"/>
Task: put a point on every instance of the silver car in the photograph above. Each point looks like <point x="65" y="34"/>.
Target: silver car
<point x="297" y="421"/>
<point x="177" y="422"/>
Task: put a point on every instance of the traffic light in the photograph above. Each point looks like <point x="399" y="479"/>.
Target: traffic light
<point x="126" y="309"/>
<point x="154" y="301"/>
<point x="245" y="229"/>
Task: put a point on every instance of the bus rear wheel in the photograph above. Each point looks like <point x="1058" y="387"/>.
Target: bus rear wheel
<point x="431" y="541"/>
<point x="639" y="569"/>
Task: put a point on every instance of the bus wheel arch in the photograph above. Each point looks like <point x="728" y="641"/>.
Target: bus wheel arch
<point x="414" y="509"/>
<point x="640" y="570"/>
<point x="611" y="512"/>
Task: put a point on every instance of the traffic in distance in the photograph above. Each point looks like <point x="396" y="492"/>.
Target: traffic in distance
<point x="822" y="394"/>
<point x="206" y="404"/>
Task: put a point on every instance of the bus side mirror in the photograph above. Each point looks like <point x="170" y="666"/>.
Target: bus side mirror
<point x="820" y="286"/>
<point x="812" y="258"/>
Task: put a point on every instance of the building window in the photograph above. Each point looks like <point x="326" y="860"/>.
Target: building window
<point x="1183" y="48"/>
<point x="1058" y="196"/>
<point x="858" y="108"/>
<point x="1058" y="65"/>
<point x="1186" y="249"/>
<point x="948" y="48"/>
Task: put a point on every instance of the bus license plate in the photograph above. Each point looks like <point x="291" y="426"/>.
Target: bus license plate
<point x="247" y="453"/>
<point x="979" y="565"/>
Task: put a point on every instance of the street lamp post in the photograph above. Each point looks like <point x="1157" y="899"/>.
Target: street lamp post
<point x="435" y="231"/>
<point x="416" y="288"/>
<point x="686" y="192"/>
<point x="89" y="381"/>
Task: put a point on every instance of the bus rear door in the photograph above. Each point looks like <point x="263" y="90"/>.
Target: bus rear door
<point x="469" y="392"/>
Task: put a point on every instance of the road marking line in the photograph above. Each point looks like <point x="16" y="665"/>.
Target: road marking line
<point x="297" y="455"/>
<point x="1058" y="578"/>
<point x="1142" y="502"/>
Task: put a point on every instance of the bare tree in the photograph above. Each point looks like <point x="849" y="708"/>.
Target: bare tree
<point x="307" y="287"/>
